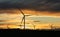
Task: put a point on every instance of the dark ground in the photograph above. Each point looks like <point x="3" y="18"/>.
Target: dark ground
<point x="27" y="32"/>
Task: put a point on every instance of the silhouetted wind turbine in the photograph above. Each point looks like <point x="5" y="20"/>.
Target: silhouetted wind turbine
<point x="51" y="25"/>
<point x="23" y="19"/>
<point x="34" y="26"/>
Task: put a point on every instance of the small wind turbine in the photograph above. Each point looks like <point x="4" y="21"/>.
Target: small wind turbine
<point x="51" y="25"/>
<point x="35" y="22"/>
<point x="34" y="26"/>
<point x="7" y="26"/>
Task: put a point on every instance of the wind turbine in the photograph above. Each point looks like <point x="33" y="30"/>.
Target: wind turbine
<point x="51" y="25"/>
<point x="23" y="19"/>
<point x="34" y="26"/>
<point x="35" y="22"/>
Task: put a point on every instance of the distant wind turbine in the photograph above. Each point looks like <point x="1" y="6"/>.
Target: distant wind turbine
<point x="51" y="25"/>
<point x="34" y="26"/>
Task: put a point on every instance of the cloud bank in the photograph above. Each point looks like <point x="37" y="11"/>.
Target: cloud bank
<point x="37" y="5"/>
<point x="51" y="5"/>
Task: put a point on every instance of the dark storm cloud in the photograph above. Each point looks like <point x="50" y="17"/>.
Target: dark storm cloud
<point x="41" y="5"/>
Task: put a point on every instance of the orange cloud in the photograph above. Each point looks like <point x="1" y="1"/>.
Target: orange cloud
<point x="31" y="12"/>
<point x="45" y="13"/>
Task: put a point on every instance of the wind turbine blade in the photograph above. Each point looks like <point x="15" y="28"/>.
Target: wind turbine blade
<point x="21" y="11"/>
<point x="22" y="20"/>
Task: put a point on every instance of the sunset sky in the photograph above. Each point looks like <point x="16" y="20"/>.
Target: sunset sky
<point x="43" y="13"/>
<point x="40" y="19"/>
